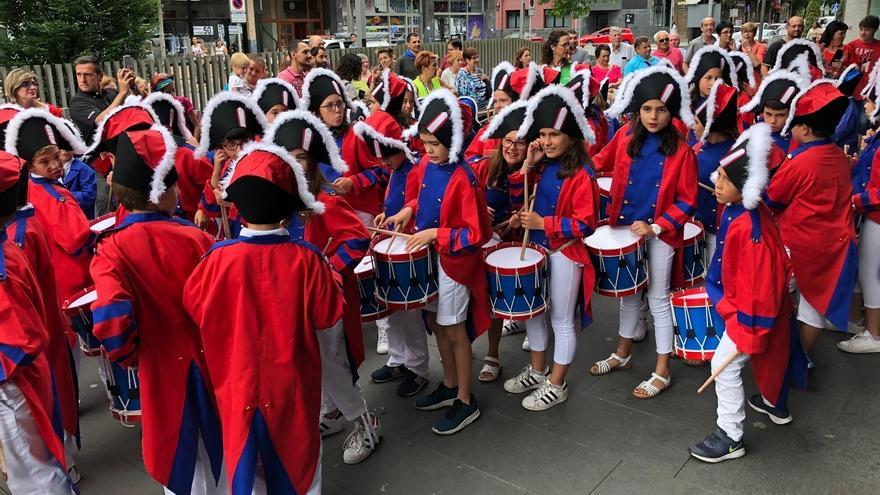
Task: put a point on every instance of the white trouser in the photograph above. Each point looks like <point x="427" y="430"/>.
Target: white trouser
<point x="452" y="300"/>
<point x="565" y="283"/>
<point x="69" y="449"/>
<point x="659" y="272"/>
<point x="203" y="477"/>
<point x="408" y="341"/>
<point x="710" y="249"/>
<point x="30" y="466"/>
<point x="729" y="389"/>
<point x="260" y="478"/>
<point x="869" y="263"/>
<point x="337" y="388"/>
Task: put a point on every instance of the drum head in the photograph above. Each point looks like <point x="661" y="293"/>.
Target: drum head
<point x="84" y="300"/>
<point x="398" y="246"/>
<point x="365" y="265"/>
<point x="608" y="237"/>
<point x="100" y="225"/>
<point x="604" y="184"/>
<point x="509" y="258"/>
<point x="691" y="231"/>
<point x="696" y="296"/>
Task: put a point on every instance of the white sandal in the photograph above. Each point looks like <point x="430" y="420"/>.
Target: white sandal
<point x="604" y="367"/>
<point x="491" y="367"/>
<point x="650" y="389"/>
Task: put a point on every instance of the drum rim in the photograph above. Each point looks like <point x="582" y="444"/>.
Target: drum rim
<point x="693" y="240"/>
<point x="520" y="316"/>
<point x="65" y="306"/>
<point x="622" y="293"/>
<point x="375" y="316"/>
<point x="405" y="306"/>
<point x="676" y="298"/>
<point x="419" y="254"/>
<point x="506" y="244"/>
<point x="629" y="248"/>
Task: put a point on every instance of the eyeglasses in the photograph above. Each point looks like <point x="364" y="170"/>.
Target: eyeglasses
<point x="29" y="84"/>
<point x="510" y="143"/>
<point x="664" y="40"/>
<point x="334" y="107"/>
<point x="233" y="145"/>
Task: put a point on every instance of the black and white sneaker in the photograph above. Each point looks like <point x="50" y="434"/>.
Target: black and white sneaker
<point x="546" y="396"/>
<point x="778" y="416"/>
<point x="511" y="327"/>
<point x="526" y="380"/>
<point x="718" y="447"/>
<point x="332" y="423"/>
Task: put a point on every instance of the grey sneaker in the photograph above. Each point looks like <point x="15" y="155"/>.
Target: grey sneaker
<point x="528" y="379"/>
<point x="862" y="343"/>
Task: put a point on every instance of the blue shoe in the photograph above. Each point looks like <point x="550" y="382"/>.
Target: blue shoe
<point x="387" y="373"/>
<point x="778" y="416"/>
<point x="411" y="384"/>
<point x="718" y="447"/>
<point x="457" y="417"/>
<point x="438" y="399"/>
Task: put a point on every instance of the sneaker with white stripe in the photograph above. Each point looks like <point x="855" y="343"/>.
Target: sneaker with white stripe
<point x="526" y="380"/>
<point x="546" y="396"/>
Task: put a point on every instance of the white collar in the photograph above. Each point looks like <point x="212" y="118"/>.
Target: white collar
<point x="246" y="232"/>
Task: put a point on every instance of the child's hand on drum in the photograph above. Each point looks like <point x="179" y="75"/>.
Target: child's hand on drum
<point x="377" y="222"/>
<point x="531" y="220"/>
<point x="642" y="229"/>
<point x="401" y="218"/>
<point x="421" y="239"/>
<point x="514" y="221"/>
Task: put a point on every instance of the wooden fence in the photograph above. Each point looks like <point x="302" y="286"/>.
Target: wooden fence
<point x="201" y="78"/>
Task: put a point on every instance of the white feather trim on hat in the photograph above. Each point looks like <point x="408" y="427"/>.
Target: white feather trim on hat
<point x="799" y="82"/>
<point x="359" y="105"/>
<point x="363" y="129"/>
<point x="451" y="103"/>
<point x="130" y="101"/>
<point x="262" y="84"/>
<point x="665" y="61"/>
<point x="386" y="100"/>
<point x="710" y="108"/>
<point x="157" y="185"/>
<point x="503" y="66"/>
<point x="758" y="150"/>
<point x="213" y="103"/>
<point x="845" y="73"/>
<point x="797" y="97"/>
<point x="327" y="138"/>
<point x="801" y="65"/>
<point x="872" y="82"/>
<point x="570" y="101"/>
<point x="411" y="87"/>
<point x="626" y="90"/>
<point x="69" y="132"/>
<point x="498" y="119"/>
<point x="695" y="62"/>
<point x="585" y="90"/>
<point x="531" y="78"/>
<point x="298" y="172"/>
<point x="799" y="42"/>
<point x="306" y="98"/>
<point x="178" y="108"/>
<point x="13" y="106"/>
<point x="738" y="57"/>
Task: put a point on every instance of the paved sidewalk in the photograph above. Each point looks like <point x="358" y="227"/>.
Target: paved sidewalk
<point x="600" y="441"/>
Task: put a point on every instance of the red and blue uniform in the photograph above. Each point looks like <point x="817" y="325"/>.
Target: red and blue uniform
<point x="863" y="169"/>
<point x="847" y="131"/>
<point x="506" y="196"/>
<point x="866" y="198"/>
<point x="193" y="173"/>
<point x="708" y="156"/>
<point x="812" y="195"/>
<point x="481" y="149"/>
<point x="365" y="171"/>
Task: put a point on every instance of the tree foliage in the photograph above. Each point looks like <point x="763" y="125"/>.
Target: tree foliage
<point x="58" y="31"/>
<point x="813" y="13"/>
<point x="574" y="8"/>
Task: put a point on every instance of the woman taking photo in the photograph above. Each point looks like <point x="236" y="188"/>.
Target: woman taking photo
<point x="835" y="54"/>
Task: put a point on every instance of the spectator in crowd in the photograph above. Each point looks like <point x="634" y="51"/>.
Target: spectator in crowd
<point x="22" y="88"/>
<point x="835" y="54"/>
<point x="363" y="82"/>
<point x="349" y="70"/>
<point x="665" y="51"/>
<point x="815" y="32"/>
<point x="219" y="48"/>
<point x="198" y="49"/>
<point x="725" y="36"/>
<point x="449" y="74"/>
<point x="406" y="65"/>
<point x="555" y="55"/>
<point x="354" y="39"/>
<point x="319" y="57"/>
<point x="523" y="58"/>
<point x="142" y="86"/>
<point x="256" y="70"/>
<point x="621" y="53"/>
<point x="385" y="56"/>
<point x="675" y="43"/>
<point x="109" y="83"/>
<point x="707" y="27"/>
<point x="866" y="49"/>
<point x="578" y="55"/>
<point x="752" y="47"/>
<point x="315" y="41"/>
<point x="450" y="47"/>
<point x="794" y="28"/>
<point x="427" y="81"/>
<point x="471" y="81"/>
<point x="165" y="83"/>
<point x="643" y="59"/>
<point x="239" y="62"/>
<point x="81" y="180"/>
<point x="300" y="63"/>
<point x="603" y="68"/>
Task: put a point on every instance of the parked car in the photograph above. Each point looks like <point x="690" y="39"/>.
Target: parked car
<point x="602" y="36"/>
<point x="528" y="36"/>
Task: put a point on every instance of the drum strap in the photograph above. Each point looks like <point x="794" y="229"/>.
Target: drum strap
<point x="3" y="238"/>
<point x="21" y="219"/>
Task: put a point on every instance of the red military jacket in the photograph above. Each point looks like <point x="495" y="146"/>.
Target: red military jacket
<point x="193" y="173"/>
<point x="139" y="269"/>
<point x="479" y="148"/>
<point x="366" y="174"/>
<point x="868" y="202"/>
<point x="262" y="352"/>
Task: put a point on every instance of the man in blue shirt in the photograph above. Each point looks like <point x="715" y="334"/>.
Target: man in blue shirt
<point x="643" y="58"/>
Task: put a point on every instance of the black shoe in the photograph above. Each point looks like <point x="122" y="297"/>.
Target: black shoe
<point x="411" y="384"/>
<point x="438" y="399"/>
<point x="387" y="373"/>
<point x="457" y="417"/>
<point x="778" y="416"/>
<point x="718" y="447"/>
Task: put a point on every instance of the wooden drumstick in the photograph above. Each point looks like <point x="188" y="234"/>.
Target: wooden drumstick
<point x="326" y="247"/>
<point x="564" y="246"/>
<point x="3" y="470"/>
<point x="718" y="371"/>
<point x="225" y="219"/>
<point x="522" y="250"/>
<point x="704" y="186"/>
<point x="389" y="232"/>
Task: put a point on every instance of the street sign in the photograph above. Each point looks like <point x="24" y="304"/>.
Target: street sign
<point x="234" y="29"/>
<point x="221" y="31"/>
<point x="629" y="18"/>
<point x="203" y="30"/>
<point x="237" y="11"/>
<point x="530" y="12"/>
<point x="734" y="13"/>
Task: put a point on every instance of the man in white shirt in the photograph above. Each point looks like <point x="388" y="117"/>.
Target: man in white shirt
<point x="621" y="53"/>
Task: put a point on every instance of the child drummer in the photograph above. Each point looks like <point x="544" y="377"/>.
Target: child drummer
<point x="449" y="209"/>
<point x="748" y="284"/>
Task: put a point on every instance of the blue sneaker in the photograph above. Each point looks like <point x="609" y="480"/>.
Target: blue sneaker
<point x="778" y="416"/>
<point x="457" y="417"/>
<point x="387" y="373"/>
<point x="411" y="384"/>
<point x="441" y="397"/>
<point x="718" y="447"/>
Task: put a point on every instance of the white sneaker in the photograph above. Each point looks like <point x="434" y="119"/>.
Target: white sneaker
<point x="855" y="327"/>
<point x="546" y="396"/>
<point x="511" y="327"/>
<point x="525" y="344"/>
<point x="332" y="423"/>
<point x="526" y="380"/>
<point x="382" y="342"/>
<point x="863" y="343"/>
<point x="363" y="440"/>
